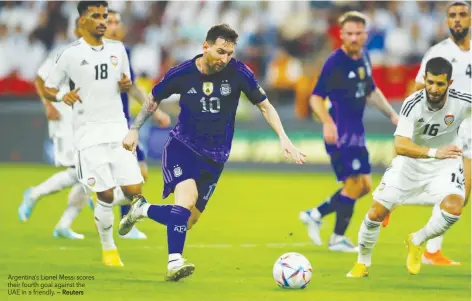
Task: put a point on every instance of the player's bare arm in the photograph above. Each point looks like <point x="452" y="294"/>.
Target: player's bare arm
<point x="130" y="142"/>
<point x="51" y="112"/>
<point x="69" y="98"/>
<point x="163" y="119"/>
<point x="273" y="119"/>
<point x="404" y="146"/>
<point x="378" y="99"/>
<point x="330" y="131"/>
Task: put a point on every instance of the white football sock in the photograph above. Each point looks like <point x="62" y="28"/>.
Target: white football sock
<point x="104" y="220"/>
<point x="439" y="223"/>
<point x="77" y="198"/>
<point x="119" y="197"/>
<point x="175" y="260"/>
<point x="368" y="236"/>
<point x="434" y="244"/>
<point x="56" y="182"/>
<point x="315" y="213"/>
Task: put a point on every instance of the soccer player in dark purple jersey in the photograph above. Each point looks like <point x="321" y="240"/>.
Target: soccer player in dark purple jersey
<point x="346" y="79"/>
<point x="209" y="85"/>
<point x="116" y="31"/>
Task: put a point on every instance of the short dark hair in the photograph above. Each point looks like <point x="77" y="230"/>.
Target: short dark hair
<point x="438" y="66"/>
<point x="352" y="16"/>
<point x="222" y="31"/>
<point x="458" y="3"/>
<point x="83" y="6"/>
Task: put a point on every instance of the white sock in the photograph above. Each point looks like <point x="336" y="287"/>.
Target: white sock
<point x="439" y="223"/>
<point x="368" y="236"/>
<point x="76" y="201"/>
<point x="434" y="244"/>
<point x="104" y="220"/>
<point x="56" y="182"/>
<point x="315" y="214"/>
<point x="119" y="197"/>
<point x="144" y="209"/>
<point x="175" y="259"/>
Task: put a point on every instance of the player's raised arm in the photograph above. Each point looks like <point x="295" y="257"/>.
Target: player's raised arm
<point x="377" y="99"/>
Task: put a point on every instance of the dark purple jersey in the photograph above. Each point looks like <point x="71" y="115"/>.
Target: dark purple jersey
<point x="208" y="104"/>
<point x="347" y="83"/>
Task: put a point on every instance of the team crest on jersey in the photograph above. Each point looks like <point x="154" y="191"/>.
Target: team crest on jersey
<point x="207" y="88"/>
<point x="225" y="89"/>
<point x="449" y="119"/>
<point x="177" y="171"/>
<point x="114" y="60"/>
<point x="361" y="72"/>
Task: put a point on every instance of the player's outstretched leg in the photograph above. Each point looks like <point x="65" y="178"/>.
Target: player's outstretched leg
<point x="104" y="217"/>
<point x="449" y="212"/>
<point x="120" y="199"/>
<point x="312" y="217"/>
<point x="368" y="236"/>
<point x="56" y="182"/>
<point x="78" y="195"/>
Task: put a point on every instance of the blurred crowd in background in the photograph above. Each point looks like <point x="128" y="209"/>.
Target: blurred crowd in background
<point x="284" y="42"/>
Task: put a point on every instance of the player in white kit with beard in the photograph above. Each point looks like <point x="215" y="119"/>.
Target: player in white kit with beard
<point x="98" y="70"/>
<point x="428" y="159"/>
<point x="456" y="49"/>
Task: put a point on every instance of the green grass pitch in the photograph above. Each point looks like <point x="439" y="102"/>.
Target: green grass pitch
<point x="251" y="219"/>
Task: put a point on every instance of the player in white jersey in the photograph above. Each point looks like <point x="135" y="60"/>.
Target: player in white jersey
<point x="428" y="160"/>
<point x="98" y="70"/>
<point x="456" y="49"/>
<point x="60" y="131"/>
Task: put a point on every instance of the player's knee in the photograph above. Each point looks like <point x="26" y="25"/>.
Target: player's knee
<point x="191" y="223"/>
<point x="131" y="190"/>
<point x="453" y="204"/>
<point x="377" y="212"/>
<point x="106" y="196"/>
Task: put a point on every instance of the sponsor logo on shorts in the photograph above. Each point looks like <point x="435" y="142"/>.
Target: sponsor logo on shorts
<point x="91" y="181"/>
<point x="449" y="119"/>
<point x="356" y="164"/>
<point x="177" y="171"/>
<point x="382" y="186"/>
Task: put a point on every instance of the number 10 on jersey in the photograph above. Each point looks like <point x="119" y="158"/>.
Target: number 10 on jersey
<point x="211" y="105"/>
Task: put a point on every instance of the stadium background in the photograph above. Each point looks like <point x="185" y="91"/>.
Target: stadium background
<point x="285" y="44"/>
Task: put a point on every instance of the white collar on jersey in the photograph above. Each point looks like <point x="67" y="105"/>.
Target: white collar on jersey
<point x="94" y="48"/>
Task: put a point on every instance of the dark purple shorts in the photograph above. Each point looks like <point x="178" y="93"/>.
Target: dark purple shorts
<point x="349" y="162"/>
<point x="180" y="163"/>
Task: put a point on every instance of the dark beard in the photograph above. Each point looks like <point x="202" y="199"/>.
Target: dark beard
<point x="438" y="104"/>
<point x="459" y="35"/>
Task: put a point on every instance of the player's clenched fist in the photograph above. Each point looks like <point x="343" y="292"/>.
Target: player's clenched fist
<point x="71" y="97"/>
<point x="130" y="142"/>
<point x="124" y="83"/>
<point x="450" y="151"/>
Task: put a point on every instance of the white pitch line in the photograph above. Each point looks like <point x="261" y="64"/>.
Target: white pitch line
<point x="208" y="246"/>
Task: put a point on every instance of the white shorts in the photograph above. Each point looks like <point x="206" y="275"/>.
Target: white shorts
<point x="64" y="151"/>
<point x="436" y="186"/>
<point x="106" y="166"/>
